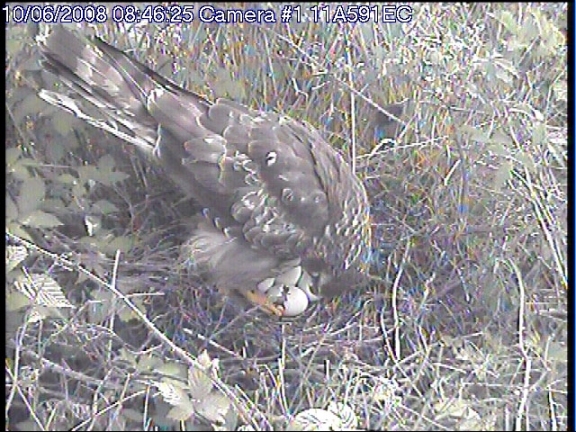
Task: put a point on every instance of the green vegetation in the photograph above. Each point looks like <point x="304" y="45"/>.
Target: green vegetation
<point x="465" y="324"/>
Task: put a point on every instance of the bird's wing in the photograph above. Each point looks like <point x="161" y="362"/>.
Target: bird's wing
<point x="270" y="179"/>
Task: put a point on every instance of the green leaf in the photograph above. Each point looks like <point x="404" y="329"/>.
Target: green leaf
<point x="181" y="412"/>
<point x="557" y="352"/>
<point x="528" y="31"/>
<point x="87" y="172"/>
<point x="79" y="189"/>
<point x="14" y="256"/>
<point x="98" y="312"/>
<point x="67" y="179"/>
<point x="100" y="308"/>
<point x="173" y="393"/>
<point x="149" y="362"/>
<point x="173" y="369"/>
<point x="315" y="419"/>
<point x="104" y="172"/>
<point x="41" y="219"/>
<point x="539" y="134"/>
<point x="508" y="20"/>
<point x="16" y="300"/>
<point x="19" y="169"/>
<point x="106" y="163"/>
<point x="123" y="244"/>
<point x="451" y="408"/>
<point x="12" y="155"/>
<point x="500" y="137"/>
<point x="200" y="384"/>
<point x="31" y="105"/>
<point x="16" y="229"/>
<point x="526" y="160"/>
<point x="44" y="290"/>
<point x="498" y="149"/>
<point x="205" y="360"/>
<point x="214" y="408"/>
<point x="503" y="174"/>
<point x="128" y="356"/>
<point x="114" y="177"/>
<point x="27" y="425"/>
<point x="133" y="414"/>
<point x="55" y="151"/>
<point x="11" y="208"/>
<point x="12" y="47"/>
<point x="62" y="122"/>
<point x="480" y="136"/>
<point x="102" y="294"/>
<point x="105" y="207"/>
<point x="126" y="314"/>
<point x="32" y="192"/>
<point x="560" y="89"/>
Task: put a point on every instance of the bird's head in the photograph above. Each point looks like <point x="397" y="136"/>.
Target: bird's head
<point x="331" y="285"/>
<point x="331" y="281"/>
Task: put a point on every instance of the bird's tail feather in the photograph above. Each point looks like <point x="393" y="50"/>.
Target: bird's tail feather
<point x="109" y="89"/>
<point x="108" y="125"/>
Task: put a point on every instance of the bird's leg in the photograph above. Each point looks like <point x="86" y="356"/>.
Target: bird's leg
<point x="259" y="298"/>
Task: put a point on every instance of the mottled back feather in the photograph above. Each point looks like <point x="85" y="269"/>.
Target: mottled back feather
<point x="273" y="190"/>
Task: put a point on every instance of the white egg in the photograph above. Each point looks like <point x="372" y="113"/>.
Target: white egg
<point x="305" y="284"/>
<point x="294" y="300"/>
<point x="289" y="277"/>
<point x="265" y="285"/>
<point x="305" y="280"/>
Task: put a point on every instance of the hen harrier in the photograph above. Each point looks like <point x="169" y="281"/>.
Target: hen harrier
<point x="283" y="211"/>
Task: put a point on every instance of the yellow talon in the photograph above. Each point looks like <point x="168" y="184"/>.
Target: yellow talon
<point x="260" y="299"/>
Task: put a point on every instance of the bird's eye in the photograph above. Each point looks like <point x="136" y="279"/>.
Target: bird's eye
<point x="315" y="279"/>
<point x="287" y="195"/>
<point x="270" y="158"/>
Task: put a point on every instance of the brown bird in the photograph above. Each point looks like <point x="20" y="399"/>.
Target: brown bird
<point x="281" y="206"/>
